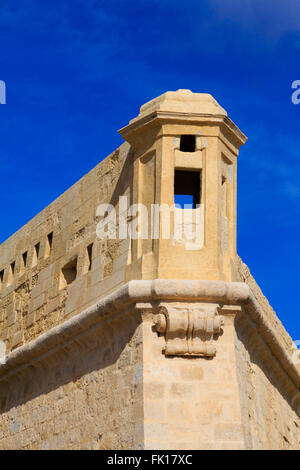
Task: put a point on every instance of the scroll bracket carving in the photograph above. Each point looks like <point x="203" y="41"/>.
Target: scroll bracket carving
<point x="190" y="330"/>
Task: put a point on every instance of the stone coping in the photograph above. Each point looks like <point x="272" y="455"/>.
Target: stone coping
<point x="170" y="116"/>
<point x="224" y="293"/>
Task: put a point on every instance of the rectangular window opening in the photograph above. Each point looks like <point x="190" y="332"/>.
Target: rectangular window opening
<point x="68" y="273"/>
<point x="188" y="143"/>
<point x="187" y="188"/>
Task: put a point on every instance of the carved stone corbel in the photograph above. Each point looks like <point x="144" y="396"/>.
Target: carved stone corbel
<point x="189" y="330"/>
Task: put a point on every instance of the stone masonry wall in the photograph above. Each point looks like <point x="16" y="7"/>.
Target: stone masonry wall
<point x="244" y="275"/>
<point x="270" y="420"/>
<point x="86" y="396"/>
<point x="33" y="293"/>
<point x="191" y="402"/>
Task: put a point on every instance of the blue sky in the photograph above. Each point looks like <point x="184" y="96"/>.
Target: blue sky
<point x="76" y="71"/>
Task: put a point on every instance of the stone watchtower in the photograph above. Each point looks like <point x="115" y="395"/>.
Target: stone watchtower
<point x="184" y="143"/>
<point x="157" y="340"/>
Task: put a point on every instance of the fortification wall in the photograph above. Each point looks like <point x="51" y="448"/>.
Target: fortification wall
<point x="175" y="358"/>
<point x="60" y="246"/>
<point x="103" y="379"/>
<point x="86" y="395"/>
<point x="269" y="399"/>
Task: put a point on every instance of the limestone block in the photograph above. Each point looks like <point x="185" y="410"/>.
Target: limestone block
<point x="17" y="338"/>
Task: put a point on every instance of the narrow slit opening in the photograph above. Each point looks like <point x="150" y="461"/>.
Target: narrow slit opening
<point x="36" y="252"/>
<point x="24" y="258"/>
<point x="49" y="244"/>
<point x="68" y="273"/>
<point x="11" y="273"/>
<point x="1" y="277"/>
<point x="89" y="252"/>
<point x="23" y="263"/>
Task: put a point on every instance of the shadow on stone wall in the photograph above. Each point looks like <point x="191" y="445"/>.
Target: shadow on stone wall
<point x="268" y="397"/>
<point x="95" y="382"/>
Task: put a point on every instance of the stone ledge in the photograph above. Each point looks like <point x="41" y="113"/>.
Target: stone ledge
<point x="225" y="293"/>
<point x="271" y="338"/>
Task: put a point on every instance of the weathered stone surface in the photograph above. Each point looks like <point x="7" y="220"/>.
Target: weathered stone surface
<point x="146" y="343"/>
